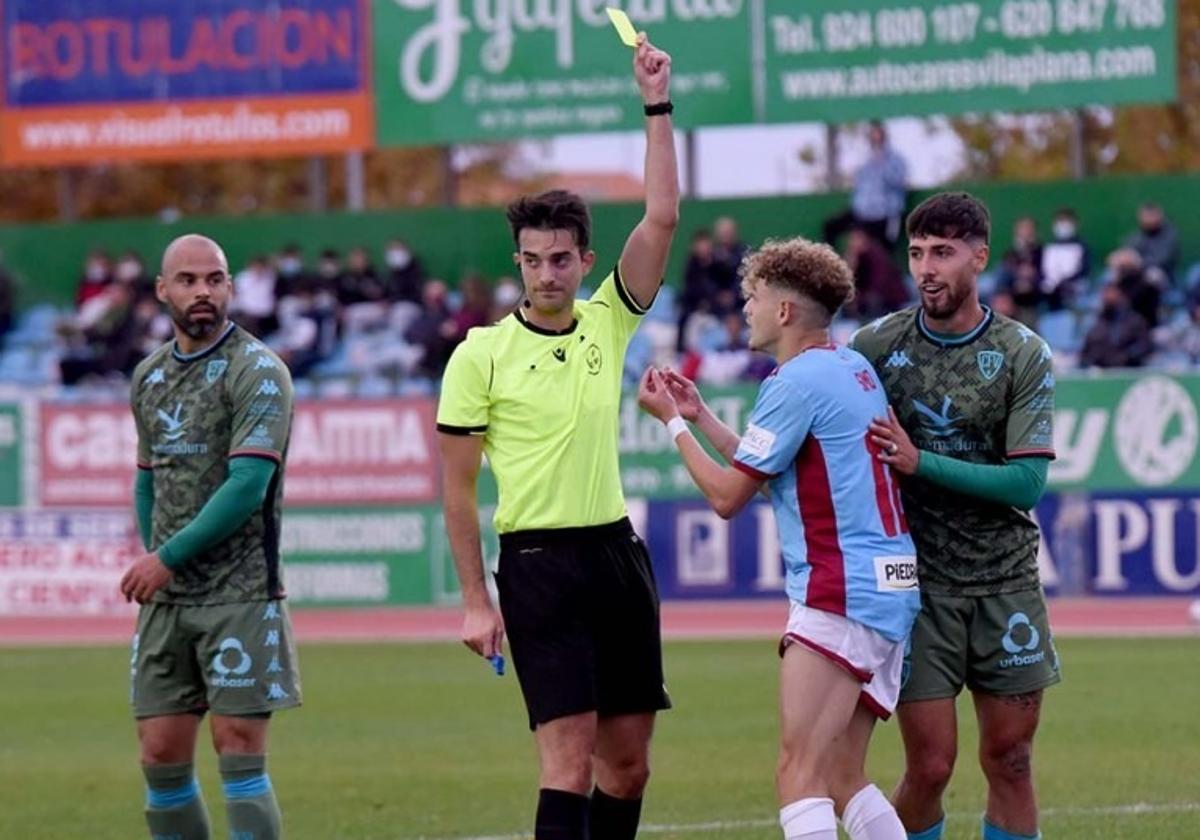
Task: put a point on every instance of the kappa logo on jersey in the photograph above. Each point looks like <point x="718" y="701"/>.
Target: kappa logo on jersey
<point x="1025" y="333"/>
<point x="898" y="359"/>
<point x="1045" y="354"/>
<point x="230" y="663"/>
<point x="990" y="362"/>
<point x="1048" y="380"/>
<point x="895" y="573"/>
<point x="269" y="388"/>
<point x="276" y="692"/>
<point x="757" y="441"/>
<point x="938" y="424"/>
<point x="253" y="347"/>
<point x="1020" y="639"/>
<point x="214" y="370"/>
<point x="156" y="377"/>
<point x="173" y="422"/>
<point x="264" y="362"/>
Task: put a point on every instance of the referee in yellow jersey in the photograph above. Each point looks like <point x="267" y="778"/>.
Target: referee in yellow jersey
<point x="540" y="393"/>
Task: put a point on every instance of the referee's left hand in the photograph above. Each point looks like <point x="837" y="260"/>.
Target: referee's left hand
<point x="146" y="576"/>
<point x="655" y="397"/>
<point x="893" y="445"/>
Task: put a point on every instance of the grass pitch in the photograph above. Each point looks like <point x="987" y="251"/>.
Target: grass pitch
<point x="397" y="742"/>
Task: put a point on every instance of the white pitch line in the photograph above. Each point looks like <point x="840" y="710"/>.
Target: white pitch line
<point x="1134" y="809"/>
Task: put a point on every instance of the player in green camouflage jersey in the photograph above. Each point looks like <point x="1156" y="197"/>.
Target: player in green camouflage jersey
<point x="213" y="411"/>
<point x="972" y="396"/>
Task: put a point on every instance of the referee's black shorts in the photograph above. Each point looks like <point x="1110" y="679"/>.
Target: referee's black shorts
<point x="580" y="609"/>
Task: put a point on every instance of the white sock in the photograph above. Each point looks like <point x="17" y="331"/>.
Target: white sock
<point x="811" y="819"/>
<point x="869" y="816"/>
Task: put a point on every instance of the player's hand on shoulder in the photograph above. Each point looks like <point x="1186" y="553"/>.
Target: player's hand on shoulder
<point x="483" y="630"/>
<point x="654" y="396"/>
<point x="146" y="576"/>
<point x="685" y="393"/>
<point x="652" y="69"/>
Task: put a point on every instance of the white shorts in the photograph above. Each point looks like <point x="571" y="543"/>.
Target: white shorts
<point x="866" y="655"/>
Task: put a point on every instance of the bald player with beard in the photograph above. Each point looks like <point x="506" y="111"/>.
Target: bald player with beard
<point x="213" y="410"/>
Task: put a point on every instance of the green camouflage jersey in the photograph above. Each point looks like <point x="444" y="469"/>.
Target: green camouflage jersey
<point x="985" y="397"/>
<point x="193" y="414"/>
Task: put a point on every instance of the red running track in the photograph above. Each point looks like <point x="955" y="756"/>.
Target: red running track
<point x="681" y="620"/>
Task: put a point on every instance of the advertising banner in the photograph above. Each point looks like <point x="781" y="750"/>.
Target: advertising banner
<point x="373" y="452"/>
<point x="358" y="556"/>
<point x="12" y="462"/>
<point x="88" y="80"/>
<point x="1109" y="544"/>
<point x="449" y="71"/>
<point x="88" y="455"/>
<point x="64" y="563"/>
<point x="833" y="60"/>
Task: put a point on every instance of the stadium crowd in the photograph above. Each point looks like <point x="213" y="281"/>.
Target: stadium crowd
<point x="347" y="325"/>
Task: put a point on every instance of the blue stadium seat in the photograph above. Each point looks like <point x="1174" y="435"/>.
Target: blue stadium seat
<point x="1060" y="329"/>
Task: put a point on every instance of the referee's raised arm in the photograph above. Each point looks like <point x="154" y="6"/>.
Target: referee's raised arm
<point x="645" y="255"/>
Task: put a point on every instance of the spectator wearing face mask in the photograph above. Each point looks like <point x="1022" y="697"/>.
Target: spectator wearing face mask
<point x="291" y="278"/>
<point x="1120" y="337"/>
<point x="406" y="275"/>
<point x="1066" y="262"/>
<point x="97" y="274"/>
<point x="130" y="269"/>
<point x="1156" y="241"/>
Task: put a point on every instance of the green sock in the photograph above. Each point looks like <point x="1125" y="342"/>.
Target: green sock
<point x="174" y="807"/>
<point x="249" y="799"/>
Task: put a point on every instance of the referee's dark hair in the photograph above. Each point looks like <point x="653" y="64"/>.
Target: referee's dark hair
<point x="553" y="210"/>
<point x="950" y="215"/>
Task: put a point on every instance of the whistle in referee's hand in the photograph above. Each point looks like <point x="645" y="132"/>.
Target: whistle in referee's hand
<point x="497" y="661"/>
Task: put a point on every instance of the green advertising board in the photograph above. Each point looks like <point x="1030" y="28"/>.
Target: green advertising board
<point x="837" y="60"/>
<point x="1112" y="433"/>
<point x="358" y="556"/>
<point x="11" y="462"/>
<point x="384" y="556"/>
<point x="449" y="71"/>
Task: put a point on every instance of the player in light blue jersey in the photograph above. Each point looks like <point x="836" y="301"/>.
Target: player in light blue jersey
<point x="851" y="566"/>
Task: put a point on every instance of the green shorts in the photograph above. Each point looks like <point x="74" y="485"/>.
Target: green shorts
<point x="993" y="644"/>
<point x="235" y="659"/>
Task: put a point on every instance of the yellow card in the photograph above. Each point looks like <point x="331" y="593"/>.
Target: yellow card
<point x="624" y="26"/>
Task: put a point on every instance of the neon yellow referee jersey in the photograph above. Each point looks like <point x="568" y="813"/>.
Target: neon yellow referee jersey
<point x="547" y="404"/>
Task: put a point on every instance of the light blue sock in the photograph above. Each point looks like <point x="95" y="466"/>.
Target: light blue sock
<point x="991" y="832"/>
<point x="934" y="832"/>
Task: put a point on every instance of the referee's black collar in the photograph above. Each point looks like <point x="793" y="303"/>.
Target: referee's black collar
<point x="542" y="330"/>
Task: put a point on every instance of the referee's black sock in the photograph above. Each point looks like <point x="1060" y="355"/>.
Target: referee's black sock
<point x="561" y="815"/>
<point x="614" y="819"/>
